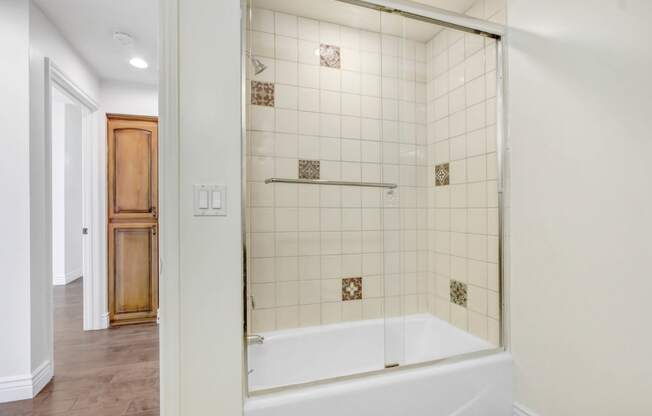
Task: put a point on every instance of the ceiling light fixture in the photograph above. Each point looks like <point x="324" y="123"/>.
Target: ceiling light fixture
<point x="123" y="38"/>
<point x="139" y="63"/>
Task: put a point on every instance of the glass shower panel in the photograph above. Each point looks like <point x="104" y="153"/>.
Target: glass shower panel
<point x="315" y="251"/>
<point x="450" y="287"/>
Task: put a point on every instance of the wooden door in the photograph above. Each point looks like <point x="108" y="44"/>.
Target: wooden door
<point x="132" y="143"/>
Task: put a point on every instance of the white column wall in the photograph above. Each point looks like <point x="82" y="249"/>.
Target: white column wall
<point x="580" y="105"/>
<point x="15" y="209"/>
<point x="210" y="288"/>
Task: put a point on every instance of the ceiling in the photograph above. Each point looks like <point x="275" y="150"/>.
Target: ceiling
<point x="89" y="26"/>
<point x="363" y="18"/>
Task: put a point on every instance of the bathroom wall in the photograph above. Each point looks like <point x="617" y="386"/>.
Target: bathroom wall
<point x="463" y="199"/>
<point x="579" y="114"/>
<point x="324" y="109"/>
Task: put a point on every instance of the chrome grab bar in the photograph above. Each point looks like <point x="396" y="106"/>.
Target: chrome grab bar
<point x="255" y="339"/>
<point x="326" y="182"/>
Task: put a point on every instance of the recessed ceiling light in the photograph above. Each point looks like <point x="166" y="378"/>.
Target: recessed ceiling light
<point x="139" y="63"/>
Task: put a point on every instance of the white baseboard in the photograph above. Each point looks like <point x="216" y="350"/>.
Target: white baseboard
<point x="520" y="410"/>
<point x="27" y="386"/>
<point x="104" y="320"/>
<point x="69" y="277"/>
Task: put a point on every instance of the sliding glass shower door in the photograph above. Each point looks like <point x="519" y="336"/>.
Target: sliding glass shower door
<point x="370" y="195"/>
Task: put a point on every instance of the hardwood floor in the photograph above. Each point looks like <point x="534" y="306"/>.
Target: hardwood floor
<point x="112" y="372"/>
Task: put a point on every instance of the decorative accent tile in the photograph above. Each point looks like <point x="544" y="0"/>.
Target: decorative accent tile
<point x="308" y="169"/>
<point x="352" y="288"/>
<point x="442" y="176"/>
<point x="262" y="93"/>
<point x="329" y="56"/>
<point x="459" y="293"/>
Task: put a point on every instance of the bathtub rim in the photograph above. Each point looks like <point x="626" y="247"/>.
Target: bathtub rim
<point x="387" y="370"/>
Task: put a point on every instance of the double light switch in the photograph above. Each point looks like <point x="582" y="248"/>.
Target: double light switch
<point x="210" y="200"/>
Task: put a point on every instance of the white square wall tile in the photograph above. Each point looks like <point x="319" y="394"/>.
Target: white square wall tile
<point x="285" y="96"/>
<point x="330" y="102"/>
<point x="350" y="150"/>
<point x="308" y="76"/>
<point x="308" y="99"/>
<point x="350" y="127"/>
<point x="308" y="123"/>
<point x="262" y="44"/>
<point x="286" y="25"/>
<point x="370" y="63"/>
<point x="262" y="20"/>
<point x="370" y="85"/>
<point x="286" y="268"/>
<point x="309" y="315"/>
<point x="350" y="59"/>
<point x="286" y="48"/>
<point x="286" y="72"/>
<point x="286" y="145"/>
<point x="261" y="118"/>
<point x="329" y="33"/>
<point x="286" y="121"/>
<point x="308" y="52"/>
<point x="351" y="105"/>
<point x="350" y="37"/>
<point x="476" y="168"/>
<point x="329" y="125"/>
<point x="350" y="82"/>
<point x="369" y="41"/>
<point x="329" y="79"/>
<point x="308" y="29"/>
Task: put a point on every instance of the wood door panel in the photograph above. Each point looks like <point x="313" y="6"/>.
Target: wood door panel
<point x="132" y="168"/>
<point x="133" y="271"/>
<point x="132" y="188"/>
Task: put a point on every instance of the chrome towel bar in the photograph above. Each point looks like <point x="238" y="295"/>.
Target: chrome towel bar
<point x="325" y="182"/>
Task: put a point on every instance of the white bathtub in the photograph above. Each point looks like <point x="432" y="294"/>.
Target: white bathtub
<point x="475" y="386"/>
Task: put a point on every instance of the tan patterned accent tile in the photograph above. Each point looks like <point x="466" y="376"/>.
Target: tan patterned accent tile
<point x="442" y="174"/>
<point x="329" y="56"/>
<point x="308" y="169"/>
<point x="459" y="292"/>
<point x="262" y="93"/>
<point x="351" y="288"/>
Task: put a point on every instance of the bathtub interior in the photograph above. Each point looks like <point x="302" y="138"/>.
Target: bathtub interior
<point x="344" y="280"/>
<point x="297" y="356"/>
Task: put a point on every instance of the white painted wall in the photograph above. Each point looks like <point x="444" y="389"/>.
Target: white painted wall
<point x="210" y="256"/>
<point x="73" y="192"/>
<point x="58" y="190"/>
<point x="47" y="40"/>
<point x="129" y="98"/>
<point x="44" y="41"/>
<point x="15" y="209"/>
<point x="580" y="105"/>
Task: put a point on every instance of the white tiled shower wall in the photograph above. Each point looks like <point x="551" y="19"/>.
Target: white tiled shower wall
<point x="392" y="112"/>
<point x="463" y="216"/>
<point x="365" y="121"/>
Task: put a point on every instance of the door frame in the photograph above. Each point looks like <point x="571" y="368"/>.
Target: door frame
<point x="95" y="315"/>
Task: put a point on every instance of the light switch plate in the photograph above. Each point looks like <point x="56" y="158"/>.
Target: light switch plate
<point x="203" y="203"/>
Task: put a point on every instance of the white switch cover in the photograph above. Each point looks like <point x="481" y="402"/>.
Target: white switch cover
<point x="209" y="200"/>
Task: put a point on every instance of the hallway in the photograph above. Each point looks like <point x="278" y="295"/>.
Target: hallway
<point x="97" y="373"/>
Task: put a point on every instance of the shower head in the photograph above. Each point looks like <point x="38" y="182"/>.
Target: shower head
<point x="258" y="66"/>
